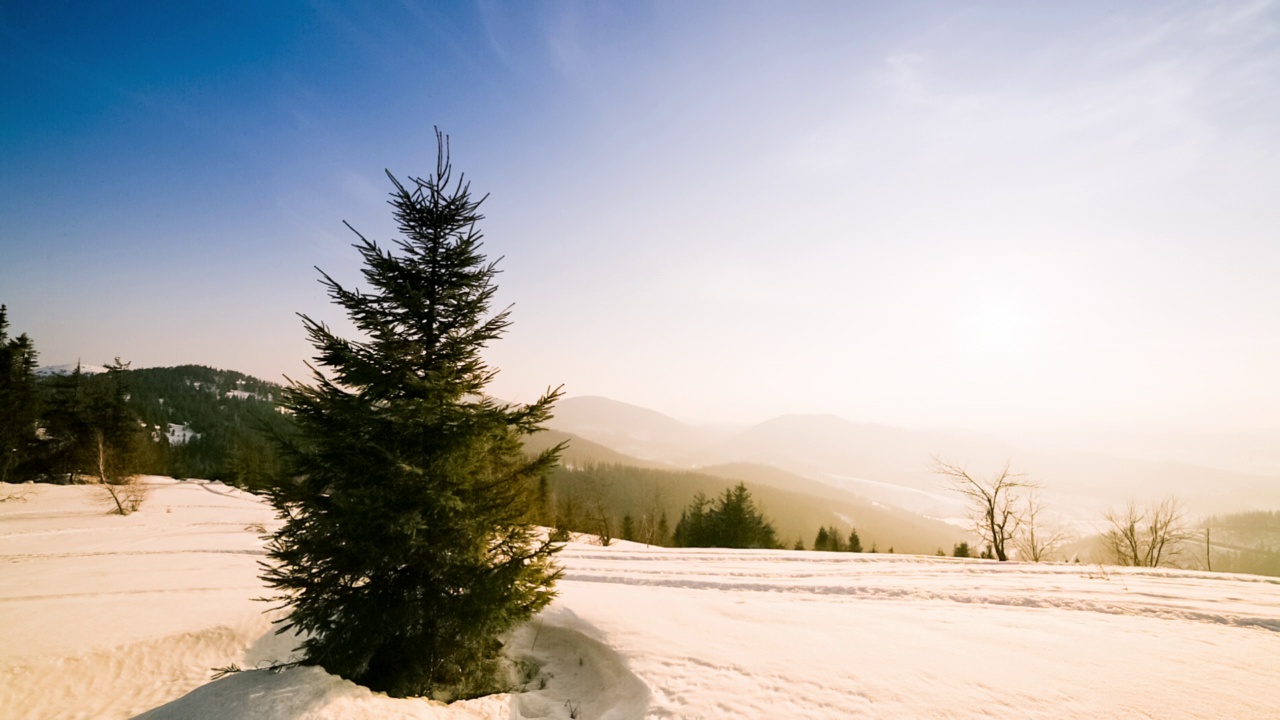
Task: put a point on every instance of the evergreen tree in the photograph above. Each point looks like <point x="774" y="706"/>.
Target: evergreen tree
<point x="823" y="540"/>
<point x="855" y="542"/>
<point x="114" y="429"/>
<point x="66" y="422"/>
<point x="407" y="549"/>
<point x="829" y="539"/>
<point x="730" y="521"/>
<point x="694" y="528"/>
<point x="19" y="446"/>
<point x="115" y="437"/>
<point x="93" y="432"/>
<point x="628" y="527"/>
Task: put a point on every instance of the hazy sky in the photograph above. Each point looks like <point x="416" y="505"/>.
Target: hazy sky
<point x="980" y="215"/>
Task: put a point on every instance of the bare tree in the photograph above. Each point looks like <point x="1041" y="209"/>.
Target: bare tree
<point x="568" y="518"/>
<point x="601" y="522"/>
<point x="995" y="503"/>
<point x="125" y="489"/>
<point x="598" y="520"/>
<point x="651" y="530"/>
<point x="1147" y="536"/>
<point x="1037" y="538"/>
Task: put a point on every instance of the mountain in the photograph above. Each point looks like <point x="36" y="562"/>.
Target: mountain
<point x="579" y="452"/>
<point x="618" y="490"/>
<point x="49" y="370"/>
<point x="634" y="431"/>
<point x="224" y="419"/>
<point x="876" y="460"/>
<point x="594" y="479"/>
<point x="893" y="465"/>
<point x="913" y="530"/>
<point x="825" y="445"/>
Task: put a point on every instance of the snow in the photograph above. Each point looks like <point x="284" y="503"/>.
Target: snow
<point x="181" y="434"/>
<point x="891" y="495"/>
<point x="104" y="616"/>
<point x="70" y="369"/>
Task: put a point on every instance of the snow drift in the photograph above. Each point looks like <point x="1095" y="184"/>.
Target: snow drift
<point x="104" y="616"/>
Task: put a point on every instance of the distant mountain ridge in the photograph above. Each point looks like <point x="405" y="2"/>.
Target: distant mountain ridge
<point x="49" y="370"/>
<point x="633" y="430"/>
<point x="597" y="479"/>
<point x="893" y="465"/>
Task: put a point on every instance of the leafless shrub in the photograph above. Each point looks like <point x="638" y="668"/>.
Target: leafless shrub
<point x="1147" y="536"/>
<point x="125" y="490"/>
<point x="653" y="528"/>
<point x="1037" y="539"/>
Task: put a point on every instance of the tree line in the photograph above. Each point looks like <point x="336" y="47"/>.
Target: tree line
<point x="644" y="505"/>
<point x="66" y="427"/>
<point x="111" y="426"/>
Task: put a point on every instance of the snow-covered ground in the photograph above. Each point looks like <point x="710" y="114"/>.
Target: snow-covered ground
<point x="108" y="617"/>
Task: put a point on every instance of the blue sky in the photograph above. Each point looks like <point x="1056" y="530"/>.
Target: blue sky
<point x="985" y="215"/>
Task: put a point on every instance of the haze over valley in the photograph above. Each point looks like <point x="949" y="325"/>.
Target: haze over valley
<point x="879" y="461"/>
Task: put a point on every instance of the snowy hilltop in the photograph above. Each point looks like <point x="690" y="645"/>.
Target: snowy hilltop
<point x="111" y="617"/>
<point x="49" y="370"/>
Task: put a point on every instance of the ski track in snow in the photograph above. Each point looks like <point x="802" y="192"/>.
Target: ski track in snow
<point x="125" y="553"/>
<point x="109" y="617"/>
<point x="921" y="579"/>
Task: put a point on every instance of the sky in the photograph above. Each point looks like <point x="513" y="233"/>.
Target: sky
<point x="932" y="214"/>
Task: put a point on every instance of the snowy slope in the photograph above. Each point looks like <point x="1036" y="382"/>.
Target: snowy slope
<point x="69" y="369"/>
<point x="107" y="617"/>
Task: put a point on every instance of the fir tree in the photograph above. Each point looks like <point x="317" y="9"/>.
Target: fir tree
<point x="663" y="531"/>
<point x="115" y="437"/>
<point x="694" y="528"/>
<point x="18" y="405"/>
<point x="93" y="431"/>
<point x="65" y="420"/>
<point x="740" y="525"/>
<point x="855" y="542"/>
<point x="407" y="548"/>
<point x="829" y="539"/>
<point x="730" y="521"/>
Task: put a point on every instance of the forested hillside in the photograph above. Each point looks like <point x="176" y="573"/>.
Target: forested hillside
<point x="590" y="495"/>
<point x="114" y="423"/>
<point x="596" y="489"/>
<point x="215" y="424"/>
<point x="1246" y="542"/>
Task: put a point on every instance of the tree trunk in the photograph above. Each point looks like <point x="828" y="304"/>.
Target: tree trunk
<point x="102" y="472"/>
